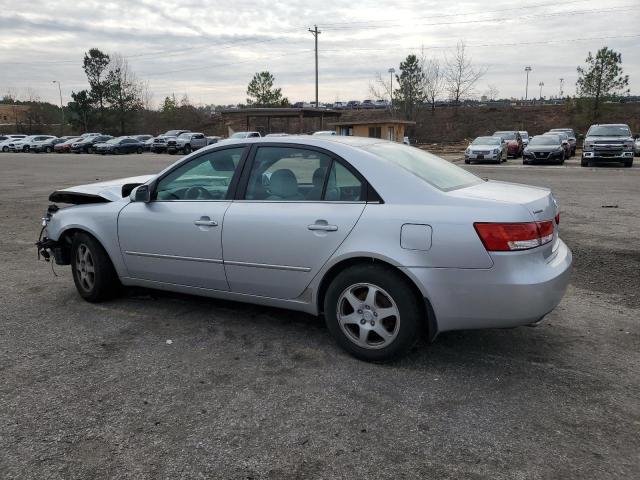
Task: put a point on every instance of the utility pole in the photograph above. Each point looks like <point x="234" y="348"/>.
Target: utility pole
<point x="561" y="83"/>
<point x="391" y="72"/>
<point x="315" y="32"/>
<point x="61" y="108"/>
<point x="526" y="88"/>
<point x="541" y="84"/>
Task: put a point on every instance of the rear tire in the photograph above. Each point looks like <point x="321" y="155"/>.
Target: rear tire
<point x="89" y="149"/>
<point x="373" y="326"/>
<point x="48" y="150"/>
<point x="93" y="273"/>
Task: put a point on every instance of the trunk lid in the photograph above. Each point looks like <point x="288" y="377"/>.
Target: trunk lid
<point x="537" y="200"/>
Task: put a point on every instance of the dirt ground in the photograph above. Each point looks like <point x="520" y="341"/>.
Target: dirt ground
<point x="244" y="392"/>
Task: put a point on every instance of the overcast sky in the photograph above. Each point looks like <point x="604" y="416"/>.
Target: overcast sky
<point x="210" y="49"/>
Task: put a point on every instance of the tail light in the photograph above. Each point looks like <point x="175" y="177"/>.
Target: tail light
<point x="506" y="237"/>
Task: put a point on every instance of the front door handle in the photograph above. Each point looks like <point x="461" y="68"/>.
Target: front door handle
<point x="206" y="222"/>
<point x="321" y="227"/>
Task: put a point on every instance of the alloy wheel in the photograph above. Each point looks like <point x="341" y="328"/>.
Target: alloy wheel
<point x="85" y="267"/>
<point x="368" y="316"/>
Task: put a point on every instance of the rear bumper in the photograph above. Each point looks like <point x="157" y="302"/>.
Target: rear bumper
<point x="520" y="289"/>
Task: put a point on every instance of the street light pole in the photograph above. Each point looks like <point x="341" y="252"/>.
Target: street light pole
<point x="61" y="108"/>
<point x="561" y="84"/>
<point x="391" y="72"/>
<point x="526" y="88"/>
<point x="541" y="84"/>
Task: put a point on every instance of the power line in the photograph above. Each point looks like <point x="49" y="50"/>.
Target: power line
<point x="489" y="20"/>
<point x="458" y="14"/>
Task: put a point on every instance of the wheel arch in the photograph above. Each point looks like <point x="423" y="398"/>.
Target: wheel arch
<point x="66" y="236"/>
<point x="427" y="310"/>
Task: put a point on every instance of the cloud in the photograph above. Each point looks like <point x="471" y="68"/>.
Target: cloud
<point x="210" y="50"/>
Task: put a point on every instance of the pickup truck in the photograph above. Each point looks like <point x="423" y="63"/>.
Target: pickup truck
<point x="608" y="143"/>
<point x="186" y="142"/>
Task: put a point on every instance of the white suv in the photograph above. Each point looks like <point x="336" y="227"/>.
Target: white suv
<point x="4" y="145"/>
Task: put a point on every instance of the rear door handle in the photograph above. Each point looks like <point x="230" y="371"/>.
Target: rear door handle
<point x="325" y="228"/>
<point x="206" y="223"/>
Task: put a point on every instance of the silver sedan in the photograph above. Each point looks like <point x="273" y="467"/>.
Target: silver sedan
<point x="385" y="240"/>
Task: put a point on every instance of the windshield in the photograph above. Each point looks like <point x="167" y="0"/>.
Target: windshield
<point x="486" y="141"/>
<point x="609" y="131"/>
<point x="172" y="133"/>
<point x="430" y="168"/>
<point x="545" y="140"/>
<point x="524" y="134"/>
<point x="184" y="135"/>
<point x="239" y="135"/>
<point x="113" y="140"/>
<point x="506" y="135"/>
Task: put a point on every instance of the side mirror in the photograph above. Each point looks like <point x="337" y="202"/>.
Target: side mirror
<point x="141" y="194"/>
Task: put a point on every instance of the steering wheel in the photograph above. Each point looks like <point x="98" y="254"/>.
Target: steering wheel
<point x="197" y="193"/>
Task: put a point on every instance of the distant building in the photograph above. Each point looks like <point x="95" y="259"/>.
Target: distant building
<point x="388" y="129"/>
<point x="11" y="116"/>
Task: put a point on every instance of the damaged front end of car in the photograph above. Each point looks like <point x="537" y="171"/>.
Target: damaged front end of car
<point x="47" y="247"/>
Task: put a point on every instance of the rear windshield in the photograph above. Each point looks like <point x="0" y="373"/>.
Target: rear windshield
<point x="430" y="168"/>
<point x="609" y="131"/>
<point x="486" y="141"/>
<point x="545" y="140"/>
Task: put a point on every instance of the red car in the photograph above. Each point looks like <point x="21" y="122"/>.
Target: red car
<point x="514" y="142"/>
<point x="65" y="147"/>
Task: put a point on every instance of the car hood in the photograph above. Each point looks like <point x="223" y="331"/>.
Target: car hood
<point x="537" y="200"/>
<point x="617" y="139"/>
<point x="109" y="191"/>
<point x="483" y="147"/>
<point x="542" y="148"/>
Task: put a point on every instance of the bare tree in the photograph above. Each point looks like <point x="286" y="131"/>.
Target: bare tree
<point x="492" y="92"/>
<point x="460" y="73"/>
<point x="124" y="90"/>
<point x="433" y="80"/>
<point x="380" y="88"/>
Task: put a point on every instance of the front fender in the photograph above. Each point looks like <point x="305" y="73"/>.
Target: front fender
<point x="98" y="219"/>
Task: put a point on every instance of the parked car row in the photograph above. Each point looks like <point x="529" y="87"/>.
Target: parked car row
<point x="350" y="105"/>
<point x="555" y="146"/>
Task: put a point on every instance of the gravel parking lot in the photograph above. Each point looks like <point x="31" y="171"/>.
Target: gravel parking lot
<point x="245" y="392"/>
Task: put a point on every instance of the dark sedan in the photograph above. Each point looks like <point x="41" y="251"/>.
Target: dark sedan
<point x="119" y="145"/>
<point x="545" y="149"/>
<point x="86" y="145"/>
<point x="48" y="145"/>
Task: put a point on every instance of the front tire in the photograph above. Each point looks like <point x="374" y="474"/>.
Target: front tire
<point x="187" y="149"/>
<point x="48" y="150"/>
<point x="628" y="163"/>
<point x="584" y="162"/>
<point x="373" y="312"/>
<point x="93" y="273"/>
<point x="139" y="150"/>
